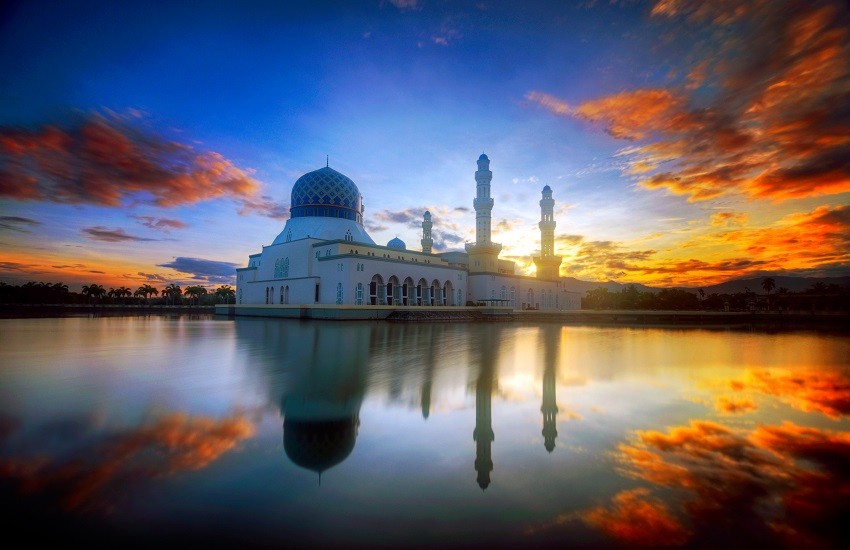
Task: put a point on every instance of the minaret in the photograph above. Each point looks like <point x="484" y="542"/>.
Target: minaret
<point x="483" y="434"/>
<point x="549" y="407"/>
<point x="484" y="254"/>
<point x="427" y="241"/>
<point x="548" y="265"/>
<point x="483" y="202"/>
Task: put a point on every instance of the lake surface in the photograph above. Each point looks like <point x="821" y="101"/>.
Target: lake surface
<point x="249" y="432"/>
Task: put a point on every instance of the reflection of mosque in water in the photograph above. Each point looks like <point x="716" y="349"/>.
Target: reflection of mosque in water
<point x="317" y="373"/>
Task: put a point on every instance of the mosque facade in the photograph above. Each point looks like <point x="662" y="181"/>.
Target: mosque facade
<point x="325" y="256"/>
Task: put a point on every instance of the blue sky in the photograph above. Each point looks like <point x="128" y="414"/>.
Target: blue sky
<point x="619" y="106"/>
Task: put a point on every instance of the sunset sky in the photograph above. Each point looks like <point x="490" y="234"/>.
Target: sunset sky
<point x="686" y="142"/>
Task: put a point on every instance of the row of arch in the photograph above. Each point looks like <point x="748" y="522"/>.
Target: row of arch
<point x="394" y="292"/>
<point x="422" y="293"/>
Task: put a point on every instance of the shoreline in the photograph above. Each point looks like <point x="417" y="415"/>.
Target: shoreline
<point x="420" y="314"/>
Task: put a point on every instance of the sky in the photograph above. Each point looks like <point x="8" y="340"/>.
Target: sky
<point x="686" y="142"/>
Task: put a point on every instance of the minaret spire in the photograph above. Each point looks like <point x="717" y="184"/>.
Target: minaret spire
<point x="548" y="265"/>
<point x="484" y="253"/>
<point x="427" y="241"/>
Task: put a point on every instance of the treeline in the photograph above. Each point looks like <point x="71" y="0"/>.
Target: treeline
<point x="59" y="293"/>
<point x="819" y="297"/>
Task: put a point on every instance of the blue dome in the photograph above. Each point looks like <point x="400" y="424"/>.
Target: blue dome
<point x="397" y="243"/>
<point x="483" y="157"/>
<point x="547" y="188"/>
<point x="326" y="193"/>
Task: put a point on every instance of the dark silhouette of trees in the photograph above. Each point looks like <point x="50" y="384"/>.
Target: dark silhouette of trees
<point x="172" y="293"/>
<point x="195" y="292"/>
<point x="94" y="291"/>
<point x="225" y="294"/>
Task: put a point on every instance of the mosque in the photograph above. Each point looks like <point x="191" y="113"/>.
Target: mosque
<point x="325" y="256"/>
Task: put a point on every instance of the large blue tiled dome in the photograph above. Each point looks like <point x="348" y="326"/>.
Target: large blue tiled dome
<point x="326" y="193"/>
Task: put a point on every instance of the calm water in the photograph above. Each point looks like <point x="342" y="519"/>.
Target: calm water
<point x="260" y="431"/>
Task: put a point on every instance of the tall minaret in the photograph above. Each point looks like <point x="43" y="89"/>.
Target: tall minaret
<point x="427" y="241"/>
<point x="551" y="341"/>
<point x="484" y="254"/>
<point x="488" y="352"/>
<point x="548" y="265"/>
<point x="483" y="202"/>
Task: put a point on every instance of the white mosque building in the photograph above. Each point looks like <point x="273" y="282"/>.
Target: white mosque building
<point x="325" y="256"/>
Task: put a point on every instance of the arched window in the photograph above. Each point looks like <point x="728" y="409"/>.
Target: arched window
<point x="513" y="296"/>
<point x="377" y="291"/>
<point x="286" y="294"/>
<point x="358" y="294"/>
<point x="348" y="236"/>
<point x="339" y="293"/>
<point x="289" y="236"/>
<point x="530" y="298"/>
<point x="503" y="294"/>
<point x="282" y="295"/>
<point x="285" y="268"/>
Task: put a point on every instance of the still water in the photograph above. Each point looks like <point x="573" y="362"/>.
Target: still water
<point x="254" y="431"/>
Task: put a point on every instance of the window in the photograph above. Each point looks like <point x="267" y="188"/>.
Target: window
<point x="358" y="294"/>
<point x="285" y="270"/>
<point x="339" y="293"/>
<point x="316" y="299"/>
<point x="289" y="236"/>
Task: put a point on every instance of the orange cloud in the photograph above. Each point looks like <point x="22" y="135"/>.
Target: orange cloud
<point x="822" y="391"/>
<point x="172" y="444"/>
<point x="637" y="520"/>
<point x="728" y="218"/>
<point x="105" y="160"/>
<point x="776" y="484"/>
<point x="761" y="111"/>
<point x="732" y="405"/>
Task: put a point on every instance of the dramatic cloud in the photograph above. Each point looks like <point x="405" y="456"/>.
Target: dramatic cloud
<point x="777" y="483"/>
<point x="105" y="471"/>
<point x="204" y="270"/>
<point x="603" y="260"/>
<point x="722" y="219"/>
<point x="734" y="405"/>
<point x="161" y="224"/>
<point x="822" y="391"/>
<point x="100" y="233"/>
<point x="110" y="160"/>
<point x="265" y="206"/>
<point x="762" y="109"/>
<point x="17" y="223"/>
<point x="638" y="520"/>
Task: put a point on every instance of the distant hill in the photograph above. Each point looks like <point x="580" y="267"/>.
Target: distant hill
<point x="575" y="285"/>
<point x="793" y="284"/>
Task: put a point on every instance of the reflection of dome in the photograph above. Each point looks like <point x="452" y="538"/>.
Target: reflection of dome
<point x="326" y="193"/>
<point x="396" y="243"/>
<point x="319" y="445"/>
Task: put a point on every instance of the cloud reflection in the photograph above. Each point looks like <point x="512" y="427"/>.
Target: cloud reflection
<point x="102" y="469"/>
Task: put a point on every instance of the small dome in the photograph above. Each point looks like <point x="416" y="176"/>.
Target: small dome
<point x="547" y="188"/>
<point x="483" y="157"/>
<point x="397" y="244"/>
<point x="326" y="193"/>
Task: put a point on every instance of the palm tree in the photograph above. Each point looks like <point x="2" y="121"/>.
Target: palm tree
<point x="225" y="293"/>
<point x="146" y="290"/>
<point x="124" y="292"/>
<point x="172" y="292"/>
<point x="94" y="291"/>
<point x="195" y="292"/>
<point x="768" y="284"/>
